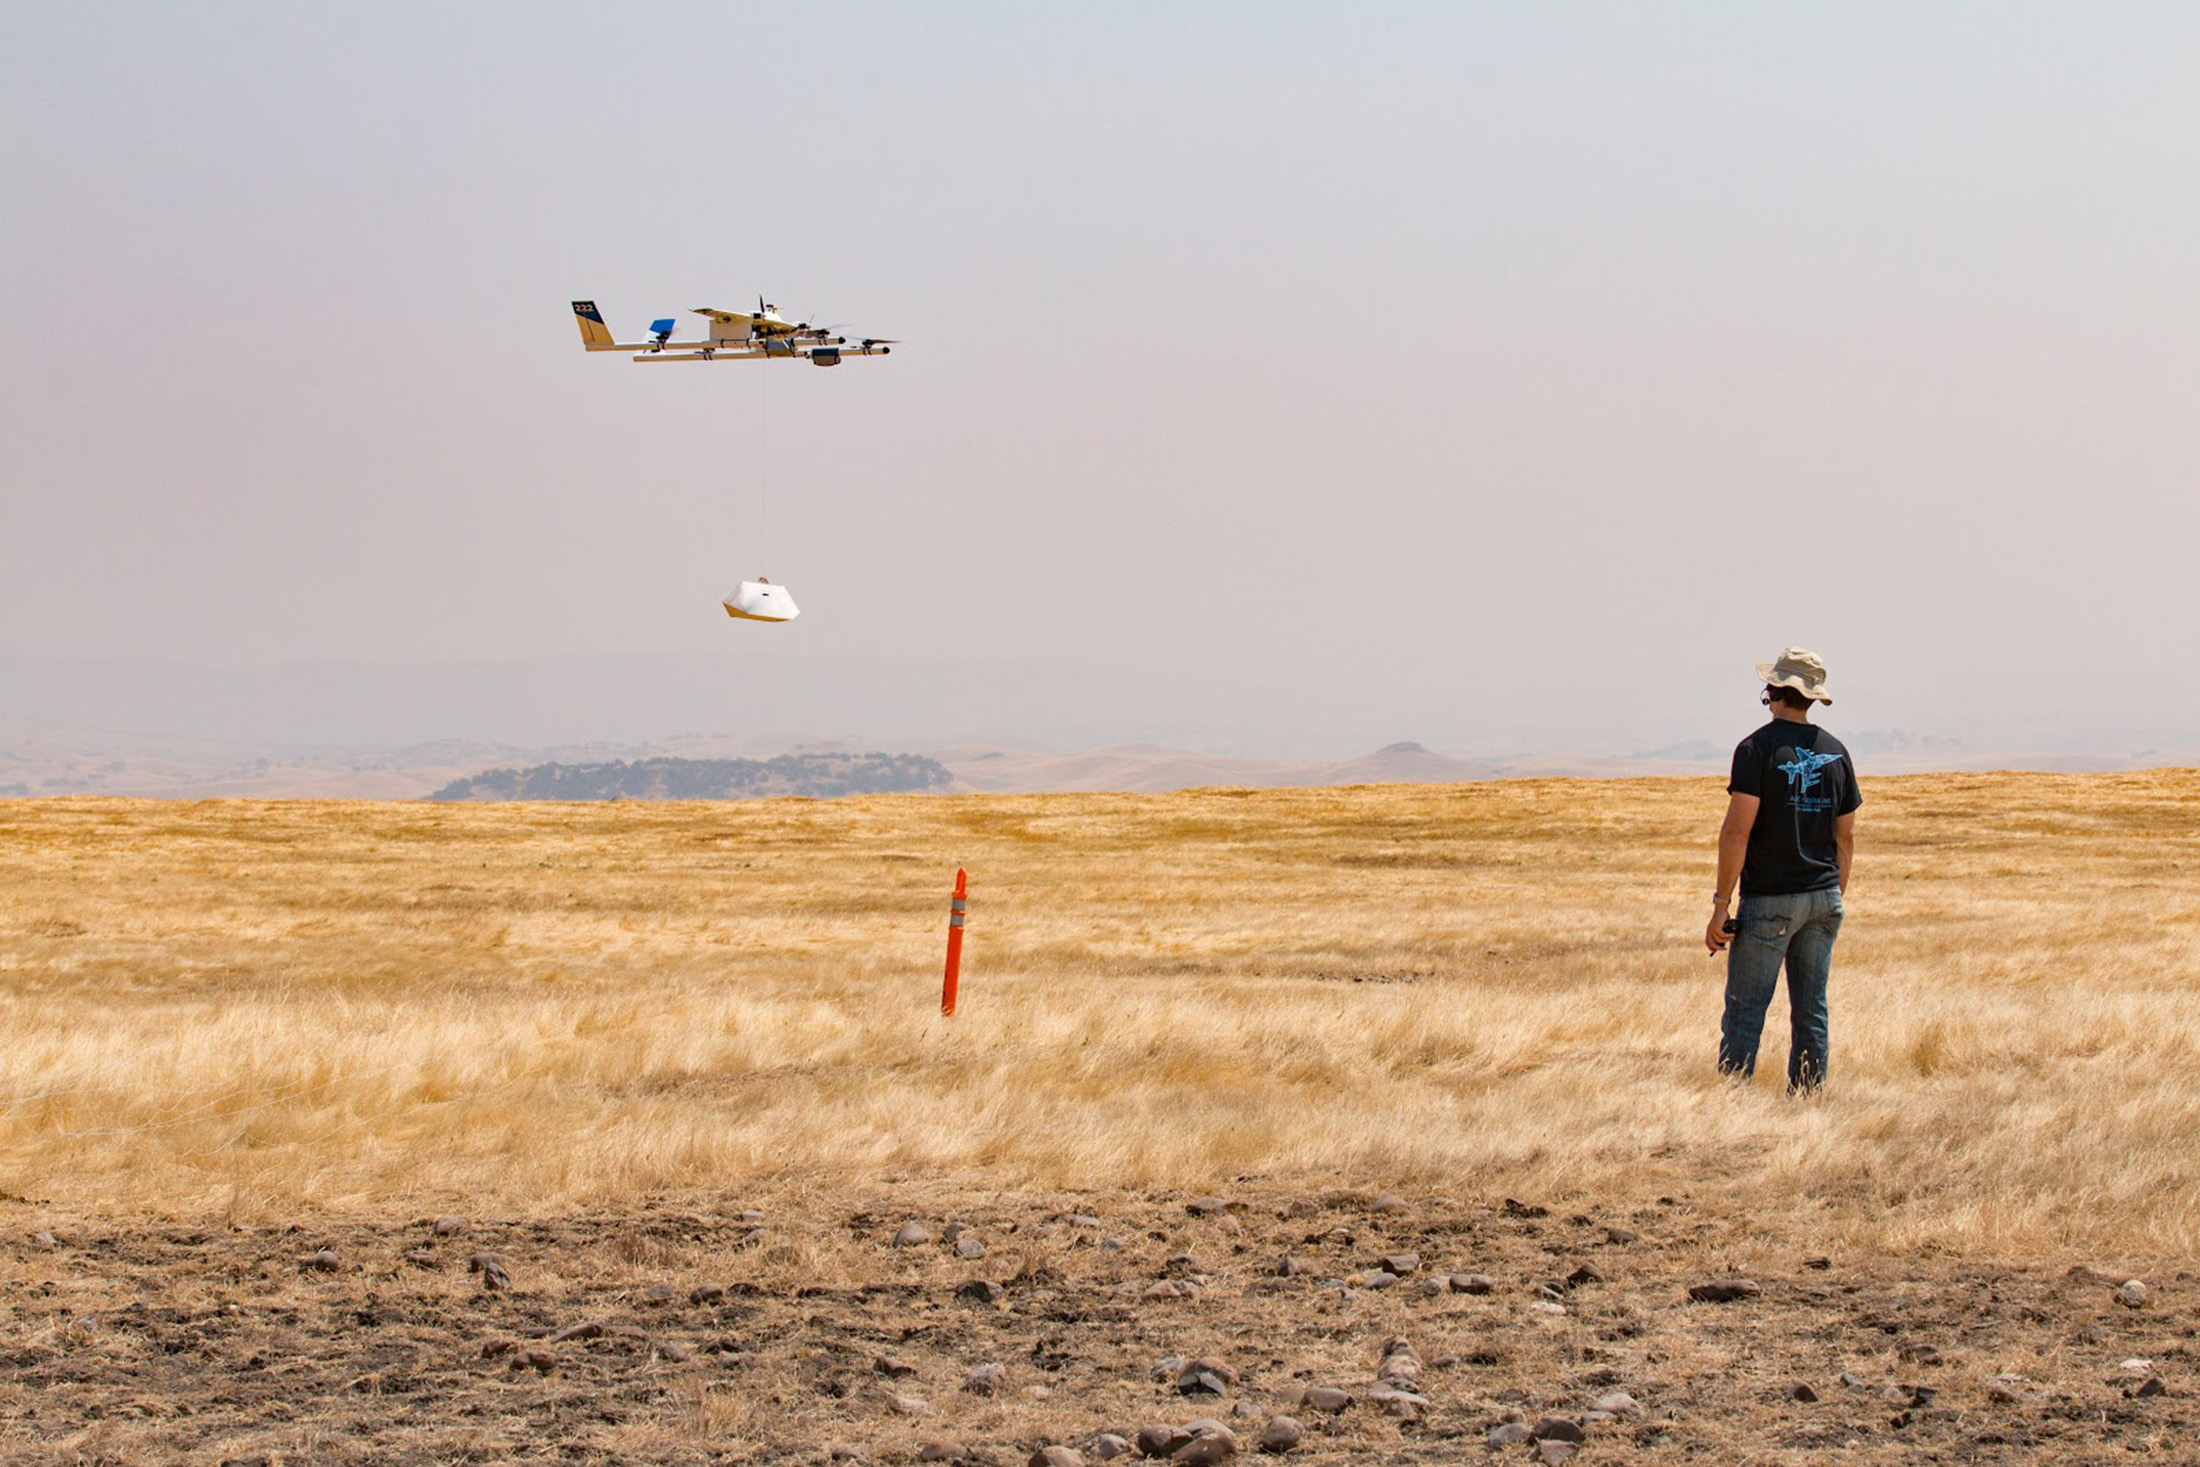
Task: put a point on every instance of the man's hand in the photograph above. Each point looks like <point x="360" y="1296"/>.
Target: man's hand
<point x="1715" y="935"/>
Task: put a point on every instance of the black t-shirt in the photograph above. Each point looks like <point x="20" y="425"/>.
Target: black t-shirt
<point x="1802" y="776"/>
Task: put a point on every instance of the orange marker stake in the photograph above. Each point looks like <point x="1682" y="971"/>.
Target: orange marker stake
<point x="958" y="910"/>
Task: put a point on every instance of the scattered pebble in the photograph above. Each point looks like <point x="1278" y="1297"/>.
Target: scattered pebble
<point x="1588" y="1273"/>
<point x="44" y="1242"/>
<point x="706" y="1293"/>
<point x="321" y="1262"/>
<point x="1205" y="1377"/>
<point x="1289" y="1267"/>
<point x="1160" y="1439"/>
<point x="969" y="1247"/>
<point x="939" y="1449"/>
<point x="1724" y="1291"/>
<point x="1211" y="1441"/>
<point x="1508" y="1434"/>
<point x="1473" y="1283"/>
<point x="674" y="1351"/>
<point x="981" y="1291"/>
<point x="1055" y="1457"/>
<point x="2007" y="1395"/>
<point x="1393" y="1401"/>
<point x="491" y="1267"/>
<point x="1208" y="1206"/>
<point x="2154" y="1386"/>
<point x="910" y="1406"/>
<point x="588" y="1329"/>
<point x="658" y="1294"/>
<point x="419" y="1257"/>
<point x="1558" y="1429"/>
<point x="1802" y="1391"/>
<point x="449" y="1227"/>
<point x="1206" y="1449"/>
<point x="911" y="1235"/>
<point x="1618" y="1403"/>
<point x="1106" y="1446"/>
<point x="1621" y="1236"/>
<point x="1281" y="1434"/>
<point x="1388" y="1202"/>
<point x="538" y="1360"/>
<point x="1400" y="1263"/>
<point x="893" y="1365"/>
<point x="985" y="1379"/>
<point x="1325" y="1398"/>
<point x="1554" y="1453"/>
<point x="1400" y="1370"/>
<point x="2131" y="1293"/>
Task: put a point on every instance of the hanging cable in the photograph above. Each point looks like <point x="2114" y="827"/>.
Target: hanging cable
<point x="764" y="462"/>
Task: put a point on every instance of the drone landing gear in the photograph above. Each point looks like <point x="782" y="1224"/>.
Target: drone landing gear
<point x="760" y="600"/>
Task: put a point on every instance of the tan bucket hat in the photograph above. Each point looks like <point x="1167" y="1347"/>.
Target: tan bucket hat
<point x="1798" y="668"/>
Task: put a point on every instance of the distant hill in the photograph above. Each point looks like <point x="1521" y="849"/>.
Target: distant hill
<point x="821" y="776"/>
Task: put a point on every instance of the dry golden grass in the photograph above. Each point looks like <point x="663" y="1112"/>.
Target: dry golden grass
<point x="263" y="1008"/>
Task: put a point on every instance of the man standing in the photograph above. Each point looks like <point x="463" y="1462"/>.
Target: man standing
<point x="1789" y="834"/>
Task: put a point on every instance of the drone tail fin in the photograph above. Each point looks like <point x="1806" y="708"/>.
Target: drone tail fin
<point x="595" y="336"/>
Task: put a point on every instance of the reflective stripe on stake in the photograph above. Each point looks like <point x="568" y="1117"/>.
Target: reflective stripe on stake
<point x="958" y="913"/>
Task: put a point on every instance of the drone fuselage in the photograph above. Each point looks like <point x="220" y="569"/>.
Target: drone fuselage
<point x="735" y="336"/>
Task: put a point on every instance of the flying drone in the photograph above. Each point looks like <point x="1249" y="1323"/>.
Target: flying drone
<point x="735" y="336"/>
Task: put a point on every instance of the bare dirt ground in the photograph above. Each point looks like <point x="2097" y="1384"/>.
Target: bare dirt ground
<point x="677" y="1075"/>
<point x="779" y="1333"/>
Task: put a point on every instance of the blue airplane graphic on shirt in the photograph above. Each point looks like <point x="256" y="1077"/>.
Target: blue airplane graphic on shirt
<point x="1802" y="767"/>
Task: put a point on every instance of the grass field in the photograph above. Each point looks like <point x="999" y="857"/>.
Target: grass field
<point x="235" y="1006"/>
<point x="335" y="1015"/>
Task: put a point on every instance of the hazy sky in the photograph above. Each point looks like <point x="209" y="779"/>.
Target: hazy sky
<point x="1462" y="367"/>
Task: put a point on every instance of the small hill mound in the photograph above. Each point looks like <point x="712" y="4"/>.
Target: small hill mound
<point x="821" y="776"/>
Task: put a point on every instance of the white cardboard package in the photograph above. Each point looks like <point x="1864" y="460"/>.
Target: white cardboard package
<point x="760" y="600"/>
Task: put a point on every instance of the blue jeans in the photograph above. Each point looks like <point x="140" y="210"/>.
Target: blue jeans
<point x="1796" y="930"/>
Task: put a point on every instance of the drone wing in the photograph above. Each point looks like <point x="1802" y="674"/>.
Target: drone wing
<point x="729" y="317"/>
